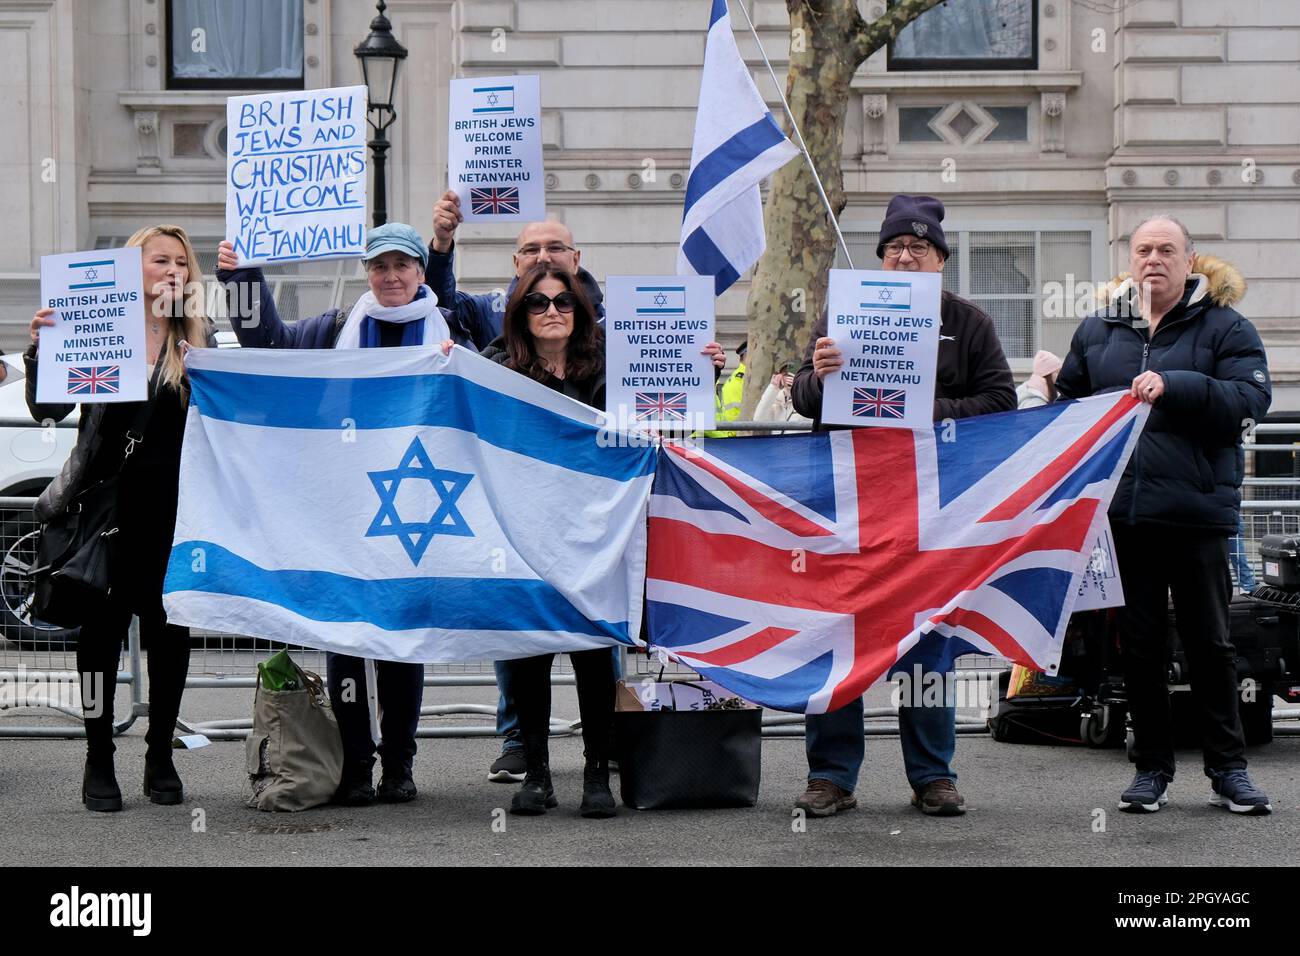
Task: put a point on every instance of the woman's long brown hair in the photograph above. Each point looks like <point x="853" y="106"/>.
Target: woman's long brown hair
<point x="584" y="356"/>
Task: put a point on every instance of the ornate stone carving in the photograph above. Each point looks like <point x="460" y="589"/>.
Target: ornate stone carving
<point x="148" y="161"/>
<point x="1053" y="133"/>
<point x="874" y="108"/>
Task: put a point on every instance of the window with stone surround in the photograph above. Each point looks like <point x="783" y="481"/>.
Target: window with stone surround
<point x="969" y="35"/>
<point x="234" y="44"/>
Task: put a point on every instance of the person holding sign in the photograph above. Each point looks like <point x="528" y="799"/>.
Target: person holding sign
<point x="400" y="309"/>
<point x="973" y="379"/>
<point x="147" y="468"/>
<point x="539" y="243"/>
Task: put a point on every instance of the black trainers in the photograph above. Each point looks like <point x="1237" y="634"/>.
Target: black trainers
<point x="597" y="802"/>
<point x="356" y="792"/>
<point x="1148" y="792"/>
<point x="535" y="797"/>
<point x="510" y="767"/>
<point x="1233" y="789"/>
<point x="396" y="786"/>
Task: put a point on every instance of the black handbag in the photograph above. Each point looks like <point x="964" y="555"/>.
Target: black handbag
<point x="71" y="579"/>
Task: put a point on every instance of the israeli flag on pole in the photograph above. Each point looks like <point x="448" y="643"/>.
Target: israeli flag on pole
<point x="737" y="144"/>
<point x="403" y="505"/>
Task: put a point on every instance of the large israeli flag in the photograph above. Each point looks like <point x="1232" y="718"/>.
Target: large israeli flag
<point x="404" y="505"/>
<point x="737" y="144"/>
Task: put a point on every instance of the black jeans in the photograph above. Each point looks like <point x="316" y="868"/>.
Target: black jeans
<point x="400" y="688"/>
<point x="531" y="681"/>
<point x="168" y="653"/>
<point x="1193" y="565"/>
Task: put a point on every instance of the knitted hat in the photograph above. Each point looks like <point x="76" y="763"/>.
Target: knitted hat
<point x="917" y="216"/>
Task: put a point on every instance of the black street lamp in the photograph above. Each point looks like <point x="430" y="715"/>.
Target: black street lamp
<point x="380" y="55"/>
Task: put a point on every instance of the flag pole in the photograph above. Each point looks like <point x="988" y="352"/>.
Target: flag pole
<point x="803" y="147"/>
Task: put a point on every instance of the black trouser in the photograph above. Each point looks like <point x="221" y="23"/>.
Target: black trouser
<point x="168" y="651"/>
<point x="1193" y="565"/>
<point x="400" y="688"/>
<point x="531" y="681"/>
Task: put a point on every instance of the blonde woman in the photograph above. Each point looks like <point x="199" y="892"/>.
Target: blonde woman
<point x="146" y="515"/>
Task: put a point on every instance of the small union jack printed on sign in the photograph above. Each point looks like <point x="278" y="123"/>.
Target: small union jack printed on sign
<point x="879" y="403"/>
<point x="494" y="202"/>
<point x="94" y="379"/>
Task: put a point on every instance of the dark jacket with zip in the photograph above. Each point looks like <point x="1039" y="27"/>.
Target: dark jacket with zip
<point x="972" y="378"/>
<point x="1188" y="465"/>
<point x="589" y="391"/>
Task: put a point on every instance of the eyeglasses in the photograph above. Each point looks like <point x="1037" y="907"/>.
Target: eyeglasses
<point x="533" y="250"/>
<point x="537" y="304"/>
<point x="918" y="250"/>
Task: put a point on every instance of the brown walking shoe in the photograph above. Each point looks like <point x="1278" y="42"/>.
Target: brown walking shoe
<point x="825" y="799"/>
<point x="939" y="798"/>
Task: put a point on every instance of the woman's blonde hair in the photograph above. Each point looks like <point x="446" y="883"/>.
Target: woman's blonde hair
<point x="187" y="320"/>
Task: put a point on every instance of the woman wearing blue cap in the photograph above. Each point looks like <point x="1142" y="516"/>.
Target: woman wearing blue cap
<point x="398" y="310"/>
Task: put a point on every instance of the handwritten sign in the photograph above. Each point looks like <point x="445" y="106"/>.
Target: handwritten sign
<point x="296" y="175"/>
<point x="886" y="324"/>
<point x="495" y="149"/>
<point x="655" y="327"/>
<point x="1100" y="586"/>
<point x="95" y="351"/>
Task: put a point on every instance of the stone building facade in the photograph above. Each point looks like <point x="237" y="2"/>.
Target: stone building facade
<point x="1114" y="109"/>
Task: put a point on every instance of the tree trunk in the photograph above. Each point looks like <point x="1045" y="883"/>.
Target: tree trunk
<point x="829" y="41"/>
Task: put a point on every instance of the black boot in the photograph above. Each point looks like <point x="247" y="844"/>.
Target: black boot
<point x="536" y="796"/>
<point x="162" y="784"/>
<point x="169" y="663"/>
<point x="99" y="789"/>
<point x="396" y="784"/>
<point x="597" y="801"/>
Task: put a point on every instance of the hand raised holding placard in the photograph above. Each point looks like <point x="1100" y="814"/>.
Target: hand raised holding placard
<point x="39" y="321"/>
<point x="446" y="218"/>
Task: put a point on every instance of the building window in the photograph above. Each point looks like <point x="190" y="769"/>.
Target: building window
<point x="1030" y="281"/>
<point x="970" y="35"/>
<point x="963" y="123"/>
<point x="234" y="44"/>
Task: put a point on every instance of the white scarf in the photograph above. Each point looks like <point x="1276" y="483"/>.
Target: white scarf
<point x="426" y="308"/>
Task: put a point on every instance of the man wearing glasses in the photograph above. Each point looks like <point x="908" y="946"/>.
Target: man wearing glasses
<point x="483" y="314"/>
<point x="973" y="379"/>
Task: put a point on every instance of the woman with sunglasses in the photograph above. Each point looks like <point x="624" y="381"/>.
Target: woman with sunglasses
<point x="552" y="337"/>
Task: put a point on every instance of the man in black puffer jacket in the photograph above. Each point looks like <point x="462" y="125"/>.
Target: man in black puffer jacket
<point x="1171" y="339"/>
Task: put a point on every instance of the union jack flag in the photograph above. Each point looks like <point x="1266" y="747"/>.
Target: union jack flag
<point x="879" y="403"/>
<point x="93" y="379"/>
<point x="494" y="202"/>
<point x="796" y="571"/>
<point x="663" y="406"/>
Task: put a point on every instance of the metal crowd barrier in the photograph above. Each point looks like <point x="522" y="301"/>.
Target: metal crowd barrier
<point x="38" y="663"/>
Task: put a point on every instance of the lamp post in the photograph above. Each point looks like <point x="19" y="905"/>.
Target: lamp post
<point x="380" y="55"/>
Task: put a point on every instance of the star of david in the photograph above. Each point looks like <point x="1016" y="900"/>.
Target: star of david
<point x="446" y="519"/>
<point x="886" y="295"/>
<point x="661" y="299"/>
<point x="493" y="99"/>
<point x="92" y="274"/>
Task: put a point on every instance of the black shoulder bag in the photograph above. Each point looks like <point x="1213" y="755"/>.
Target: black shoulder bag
<point x="70" y="577"/>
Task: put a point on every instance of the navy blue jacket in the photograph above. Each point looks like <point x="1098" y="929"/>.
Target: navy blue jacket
<point x="1188" y="465"/>
<point x="258" y="324"/>
<point x="483" y="315"/>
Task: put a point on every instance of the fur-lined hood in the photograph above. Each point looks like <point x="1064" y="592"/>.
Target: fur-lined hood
<point x="1216" y="278"/>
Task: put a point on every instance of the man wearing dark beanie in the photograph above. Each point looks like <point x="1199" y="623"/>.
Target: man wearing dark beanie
<point x="973" y="379"/>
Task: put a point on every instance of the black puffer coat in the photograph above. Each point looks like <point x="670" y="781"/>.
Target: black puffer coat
<point x="1188" y="465"/>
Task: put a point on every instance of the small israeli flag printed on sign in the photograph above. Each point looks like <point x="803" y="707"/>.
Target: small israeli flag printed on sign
<point x="661" y="300"/>
<point x="98" y="274"/>
<point x="494" y="99"/>
<point x="887" y="295"/>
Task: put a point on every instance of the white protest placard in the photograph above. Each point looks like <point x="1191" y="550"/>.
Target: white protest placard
<point x="296" y="175"/>
<point x="495" y="149"/>
<point x="655" y="328"/>
<point x="886" y="324"/>
<point x="95" y="351"/>
<point x="1100" y="586"/>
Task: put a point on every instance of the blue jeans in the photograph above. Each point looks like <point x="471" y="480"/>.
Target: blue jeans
<point x="1238" y="559"/>
<point x="508" y="717"/>
<point x="836" y="745"/>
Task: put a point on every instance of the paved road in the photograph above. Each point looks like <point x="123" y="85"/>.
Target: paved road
<point x="1028" y="805"/>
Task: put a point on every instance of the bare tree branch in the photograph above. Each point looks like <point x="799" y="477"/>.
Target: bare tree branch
<point x="885" y="28"/>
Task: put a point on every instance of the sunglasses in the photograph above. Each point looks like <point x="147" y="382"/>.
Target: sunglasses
<point x="536" y="303"/>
